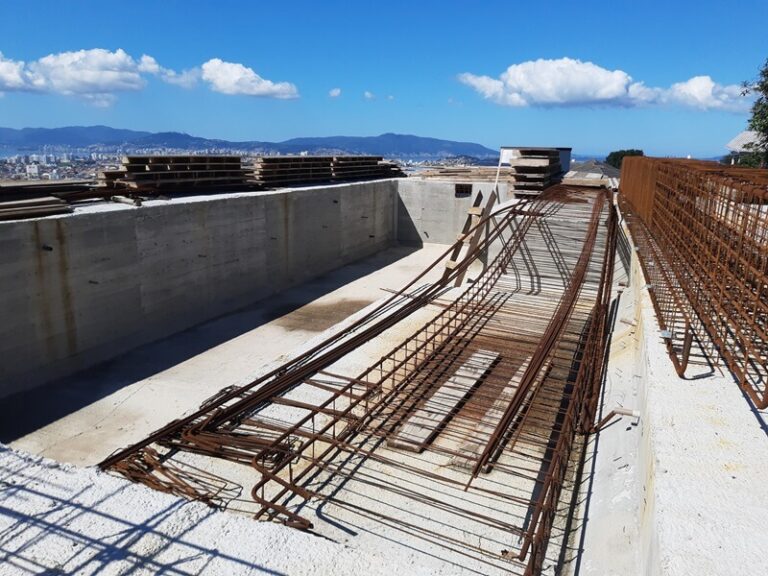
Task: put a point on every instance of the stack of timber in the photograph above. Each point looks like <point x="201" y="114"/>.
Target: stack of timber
<point x="363" y="168"/>
<point x="166" y="173"/>
<point x="468" y="173"/>
<point x="533" y="170"/>
<point x="280" y="171"/>
<point x="276" y="171"/>
<point x="30" y="200"/>
<point x="31" y="207"/>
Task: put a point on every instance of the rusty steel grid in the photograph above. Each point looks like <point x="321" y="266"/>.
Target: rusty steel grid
<point x="701" y="230"/>
<point x="540" y="307"/>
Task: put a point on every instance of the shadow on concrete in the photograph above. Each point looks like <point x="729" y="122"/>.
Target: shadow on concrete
<point x="407" y="233"/>
<point x="74" y="531"/>
<point x="572" y="548"/>
<point x="30" y="410"/>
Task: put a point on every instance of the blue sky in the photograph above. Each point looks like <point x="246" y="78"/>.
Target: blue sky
<point x="597" y="76"/>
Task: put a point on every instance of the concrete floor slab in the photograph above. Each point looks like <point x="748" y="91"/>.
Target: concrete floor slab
<point x="84" y="418"/>
<point x="677" y="492"/>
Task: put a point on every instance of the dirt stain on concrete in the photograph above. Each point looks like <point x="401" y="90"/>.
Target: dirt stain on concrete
<point x="44" y="304"/>
<point x="317" y="317"/>
<point x="66" y="291"/>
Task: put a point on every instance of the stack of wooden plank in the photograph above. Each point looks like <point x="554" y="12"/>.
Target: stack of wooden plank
<point x="468" y="173"/>
<point x="276" y="171"/>
<point x="31" y="207"/>
<point x="33" y="199"/>
<point x="362" y="168"/>
<point x="533" y="170"/>
<point x="156" y="173"/>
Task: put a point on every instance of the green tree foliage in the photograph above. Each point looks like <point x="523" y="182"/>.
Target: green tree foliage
<point x="748" y="159"/>
<point x="614" y="158"/>
<point x="759" y="119"/>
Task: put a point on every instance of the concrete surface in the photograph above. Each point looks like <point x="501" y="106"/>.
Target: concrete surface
<point x="81" y="288"/>
<point x="429" y="211"/>
<point x="679" y="492"/>
<point x="84" y="418"/>
<point x="61" y="519"/>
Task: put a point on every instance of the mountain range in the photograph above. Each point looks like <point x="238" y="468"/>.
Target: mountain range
<point x="104" y="137"/>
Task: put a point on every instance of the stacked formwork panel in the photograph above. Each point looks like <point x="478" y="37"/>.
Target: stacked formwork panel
<point x="533" y="170"/>
<point x="277" y="171"/>
<point x="273" y="171"/>
<point x="147" y="174"/>
<point x="701" y="230"/>
<point x="153" y="173"/>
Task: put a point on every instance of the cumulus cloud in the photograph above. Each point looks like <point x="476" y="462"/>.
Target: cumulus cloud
<point x="704" y="93"/>
<point x="12" y="75"/>
<point x="185" y="79"/>
<point x="369" y="95"/>
<point x="334" y="92"/>
<point x="98" y="75"/>
<point x="95" y="75"/>
<point x="234" y="78"/>
<point x="569" y="82"/>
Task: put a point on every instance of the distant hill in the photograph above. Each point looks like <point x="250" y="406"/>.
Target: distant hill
<point x="75" y="136"/>
<point x="390" y="145"/>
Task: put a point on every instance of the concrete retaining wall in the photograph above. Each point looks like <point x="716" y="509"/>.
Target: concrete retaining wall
<point x="430" y="213"/>
<point x="80" y="289"/>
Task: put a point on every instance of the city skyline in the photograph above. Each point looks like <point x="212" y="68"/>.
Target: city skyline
<point x="594" y="76"/>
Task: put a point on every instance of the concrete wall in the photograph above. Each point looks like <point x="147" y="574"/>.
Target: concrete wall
<point x="80" y="289"/>
<point x="429" y="211"/>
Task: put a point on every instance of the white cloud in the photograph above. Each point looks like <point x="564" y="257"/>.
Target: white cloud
<point x="704" y="93"/>
<point x="11" y="74"/>
<point x="334" y="92"/>
<point x="185" y="79"/>
<point x="95" y="75"/>
<point x="369" y="95"/>
<point x="390" y="98"/>
<point x="234" y="78"/>
<point x="149" y="64"/>
<point x="569" y="82"/>
<point x="98" y="75"/>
